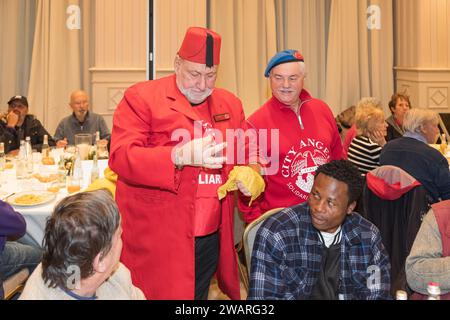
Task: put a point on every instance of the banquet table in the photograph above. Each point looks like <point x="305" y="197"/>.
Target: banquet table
<point x="36" y="216"/>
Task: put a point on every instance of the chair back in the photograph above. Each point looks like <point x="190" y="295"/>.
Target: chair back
<point x="250" y="234"/>
<point x="397" y="217"/>
<point x="15" y="283"/>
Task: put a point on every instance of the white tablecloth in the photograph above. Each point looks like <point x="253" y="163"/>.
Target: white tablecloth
<point x="36" y="216"/>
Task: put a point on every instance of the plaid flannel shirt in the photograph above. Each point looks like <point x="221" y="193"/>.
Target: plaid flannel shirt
<point x="287" y="253"/>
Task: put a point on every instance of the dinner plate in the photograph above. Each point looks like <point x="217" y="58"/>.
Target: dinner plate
<point x="31" y="198"/>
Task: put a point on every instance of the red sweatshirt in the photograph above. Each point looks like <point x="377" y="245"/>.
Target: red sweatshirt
<point x="306" y="141"/>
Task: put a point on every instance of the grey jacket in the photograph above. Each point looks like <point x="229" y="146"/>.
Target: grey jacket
<point x="425" y="262"/>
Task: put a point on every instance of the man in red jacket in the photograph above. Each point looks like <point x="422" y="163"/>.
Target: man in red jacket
<point x="308" y="136"/>
<point x="176" y="232"/>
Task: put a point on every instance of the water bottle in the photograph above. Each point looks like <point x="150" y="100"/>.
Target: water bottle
<point x="77" y="168"/>
<point x="95" y="172"/>
<point x="28" y="155"/>
<point x="401" y="295"/>
<point x="21" y="164"/>
<point x="434" y="292"/>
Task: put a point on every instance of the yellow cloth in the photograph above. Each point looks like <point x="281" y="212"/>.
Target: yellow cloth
<point x="108" y="182"/>
<point x="249" y="178"/>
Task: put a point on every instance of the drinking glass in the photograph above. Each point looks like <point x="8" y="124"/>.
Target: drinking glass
<point x="53" y="186"/>
<point x="73" y="184"/>
<point x="83" y="141"/>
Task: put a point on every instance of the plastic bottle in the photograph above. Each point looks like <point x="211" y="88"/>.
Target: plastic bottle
<point x="434" y="292"/>
<point x="95" y="172"/>
<point x="21" y="164"/>
<point x="401" y="295"/>
<point x="28" y="155"/>
<point x="77" y="169"/>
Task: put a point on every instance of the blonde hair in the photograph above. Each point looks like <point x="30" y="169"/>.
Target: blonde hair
<point x="418" y="117"/>
<point x="368" y="111"/>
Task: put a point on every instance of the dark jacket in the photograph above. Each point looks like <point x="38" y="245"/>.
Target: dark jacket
<point x="7" y="135"/>
<point x="395" y="202"/>
<point x="31" y="127"/>
<point x="421" y="161"/>
<point x="394" y="131"/>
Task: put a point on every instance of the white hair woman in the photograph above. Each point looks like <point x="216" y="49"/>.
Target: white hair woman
<point x="413" y="154"/>
<point x="365" y="148"/>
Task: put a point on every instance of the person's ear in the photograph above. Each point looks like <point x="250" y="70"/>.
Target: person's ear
<point x="351" y="207"/>
<point x="177" y="63"/>
<point x="99" y="264"/>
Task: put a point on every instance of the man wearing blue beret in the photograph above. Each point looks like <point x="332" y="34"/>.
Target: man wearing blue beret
<point x="308" y="135"/>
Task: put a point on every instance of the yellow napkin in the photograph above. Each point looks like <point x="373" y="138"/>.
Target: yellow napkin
<point x="108" y="182"/>
<point x="249" y="178"/>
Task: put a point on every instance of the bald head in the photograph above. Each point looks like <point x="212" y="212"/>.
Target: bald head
<point x="79" y="102"/>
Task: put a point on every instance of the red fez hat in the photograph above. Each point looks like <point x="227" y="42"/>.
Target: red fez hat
<point x="201" y="45"/>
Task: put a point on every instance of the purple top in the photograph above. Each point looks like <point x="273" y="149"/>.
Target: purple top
<point x="11" y="223"/>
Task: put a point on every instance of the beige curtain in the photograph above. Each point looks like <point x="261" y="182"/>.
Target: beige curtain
<point x="359" y="60"/>
<point x="17" y="19"/>
<point x="302" y="25"/>
<point x="60" y="59"/>
<point x="248" y="41"/>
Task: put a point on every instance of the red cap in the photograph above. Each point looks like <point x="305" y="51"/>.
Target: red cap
<point x="201" y="45"/>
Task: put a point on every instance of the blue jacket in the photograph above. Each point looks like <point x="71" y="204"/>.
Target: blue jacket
<point x="11" y="223"/>
<point x="286" y="258"/>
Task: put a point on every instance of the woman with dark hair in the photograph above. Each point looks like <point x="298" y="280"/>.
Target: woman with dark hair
<point x="398" y="105"/>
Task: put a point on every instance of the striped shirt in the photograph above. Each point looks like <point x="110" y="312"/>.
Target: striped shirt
<point x="364" y="154"/>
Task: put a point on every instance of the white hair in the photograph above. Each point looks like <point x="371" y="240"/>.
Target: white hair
<point x="417" y="117"/>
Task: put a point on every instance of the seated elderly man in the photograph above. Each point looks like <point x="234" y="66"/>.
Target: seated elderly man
<point x="321" y="250"/>
<point x="20" y="124"/>
<point x="365" y="148"/>
<point x="80" y="121"/>
<point x="413" y="154"/>
<point x="429" y="259"/>
<point x="82" y="246"/>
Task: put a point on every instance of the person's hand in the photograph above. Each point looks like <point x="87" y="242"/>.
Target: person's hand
<point x="201" y="152"/>
<point x="257" y="168"/>
<point x="12" y="119"/>
<point x="243" y="189"/>
<point x="62" y="143"/>
<point x="378" y="137"/>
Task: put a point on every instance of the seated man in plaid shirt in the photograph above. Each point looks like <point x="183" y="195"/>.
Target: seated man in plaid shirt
<point x="321" y="249"/>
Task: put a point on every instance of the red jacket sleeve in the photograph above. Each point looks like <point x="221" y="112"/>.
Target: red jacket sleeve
<point x="131" y="157"/>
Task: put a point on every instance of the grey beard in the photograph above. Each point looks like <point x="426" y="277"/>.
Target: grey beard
<point x="187" y="93"/>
